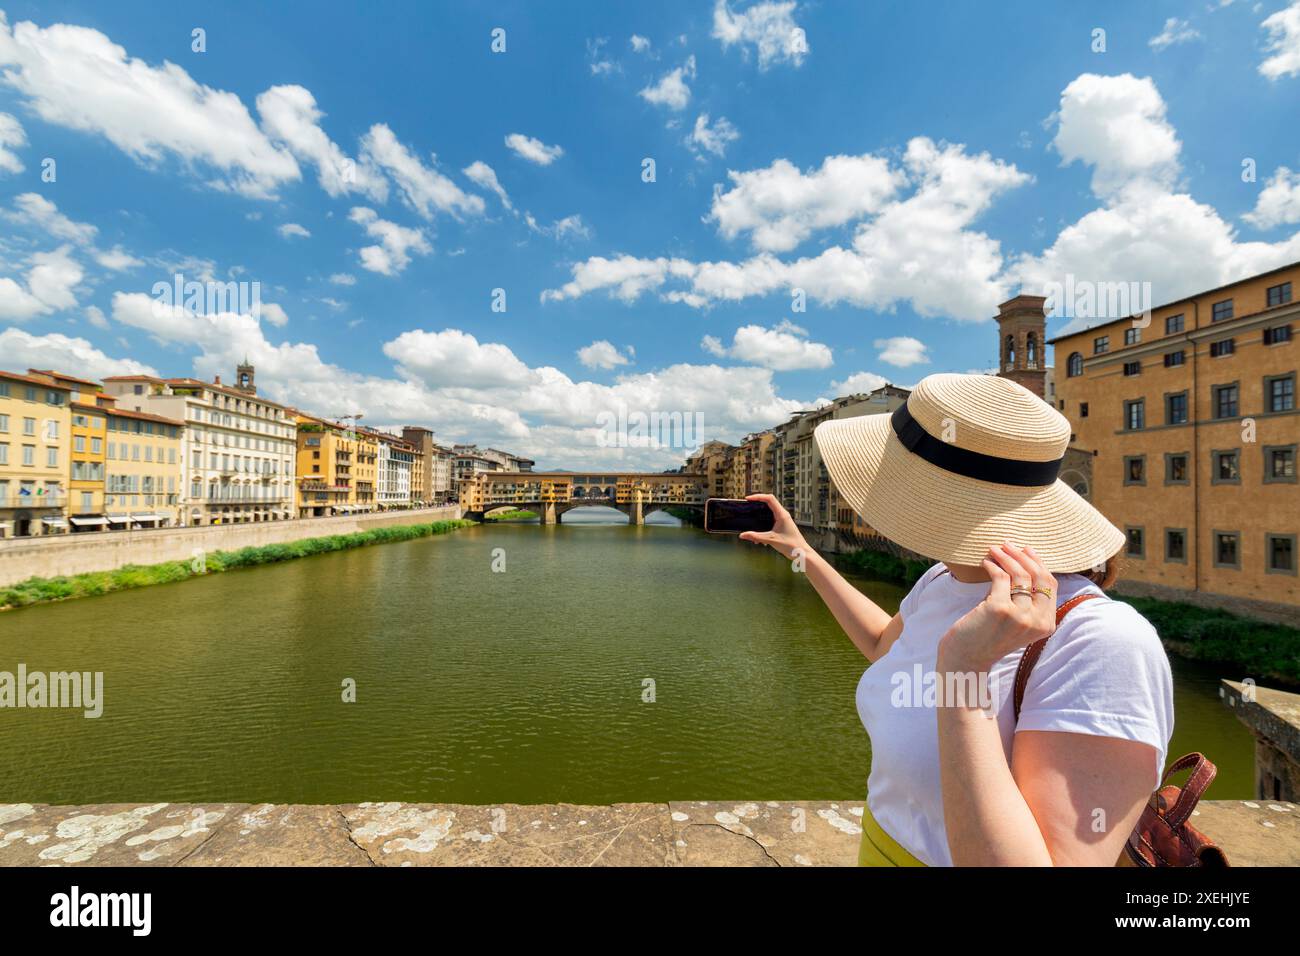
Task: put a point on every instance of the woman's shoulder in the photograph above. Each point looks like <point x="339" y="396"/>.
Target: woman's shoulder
<point x="1103" y="623"/>
<point x="909" y="601"/>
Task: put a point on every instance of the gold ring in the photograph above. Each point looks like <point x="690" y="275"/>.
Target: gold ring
<point x="1021" y="589"/>
<point x="1042" y="590"/>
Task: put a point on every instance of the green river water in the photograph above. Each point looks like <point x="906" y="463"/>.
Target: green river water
<point x="475" y="686"/>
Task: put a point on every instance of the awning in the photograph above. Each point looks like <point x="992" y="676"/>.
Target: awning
<point x="149" y="516"/>
<point x="88" y="522"/>
<point x="55" y="522"/>
<point x="118" y="519"/>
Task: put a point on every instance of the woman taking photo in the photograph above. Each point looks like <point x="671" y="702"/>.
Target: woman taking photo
<point x="965" y="473"/>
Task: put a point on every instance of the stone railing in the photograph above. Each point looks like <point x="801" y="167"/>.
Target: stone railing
<point x="725" y="833"/>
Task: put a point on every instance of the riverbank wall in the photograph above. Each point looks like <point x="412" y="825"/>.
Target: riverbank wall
<point x="65" y="555"/>
<point x="689" y="833"/>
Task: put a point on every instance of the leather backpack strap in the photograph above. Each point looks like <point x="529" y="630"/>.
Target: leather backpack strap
<point x="1203" y="773"/>
<point x="1035" y="650"/>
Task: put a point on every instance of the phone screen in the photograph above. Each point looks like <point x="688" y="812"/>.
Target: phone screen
<point x="734" y="515"/>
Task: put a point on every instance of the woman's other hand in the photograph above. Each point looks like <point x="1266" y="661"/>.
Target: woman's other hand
<point x="1003" y="622"/>
<point x="784" y="537"/>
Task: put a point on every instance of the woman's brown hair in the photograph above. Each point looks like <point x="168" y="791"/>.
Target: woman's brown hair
<point x="1105" y="575"/>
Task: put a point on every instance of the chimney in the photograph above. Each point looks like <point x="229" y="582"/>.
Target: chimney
<point x="216" y="380"/>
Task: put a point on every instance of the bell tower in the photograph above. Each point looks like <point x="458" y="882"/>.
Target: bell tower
<point x="244" y="377"/>
<point x="1021" y="326"/>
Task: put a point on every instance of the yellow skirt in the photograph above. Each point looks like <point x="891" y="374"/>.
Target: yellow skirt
<point x="878" y="848"/>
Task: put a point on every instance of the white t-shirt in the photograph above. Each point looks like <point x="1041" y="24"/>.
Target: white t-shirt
<point x="1103" y="672"/>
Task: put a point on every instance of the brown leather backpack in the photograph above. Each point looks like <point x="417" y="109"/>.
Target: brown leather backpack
<point x="1163" y="836"/>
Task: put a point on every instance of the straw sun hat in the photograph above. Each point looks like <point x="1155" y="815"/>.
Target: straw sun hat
<point x="968" y="462"/>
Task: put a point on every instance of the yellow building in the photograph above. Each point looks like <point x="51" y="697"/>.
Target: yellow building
<point x="326" y="459"/>
<point x="35" y="424"/>
<point x="87" y="458"/>
<point x="1193" y="422"/>
<point x="143" y="470"/>
<point x="364" y="472"/>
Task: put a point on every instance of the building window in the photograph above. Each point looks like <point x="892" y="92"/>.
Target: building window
<point x="1083" y="409"/>
<point x="1135" y="469"/>
<point x="1132" y="368"/>
<point x="1135" y="546"/>
<point x="1176" y="409"/>
<point x="1074" y="365"/>
<point x="1280" y="553"/>
<point x="1134" y="415"/>
<point x="1222" y="347"/>
<point x="1227" y="467"/>
<point x="1176" y="545"/>
<point x="1221" y="311"/>
<point x="1279" y="392"/>
<point x="1277" y="334"/>
<point x="1176" y="468"/>
<point x="1132" y="336"/>
<point x="1279" y="294"/>
<point x="1279" y="463"/>
<point x="1224" y="400"/>
<point x="1173" y="324"/>
<point x="1101" y="344"/>
<point x="1173" y="359"/>
<point x="1227" y="549"/>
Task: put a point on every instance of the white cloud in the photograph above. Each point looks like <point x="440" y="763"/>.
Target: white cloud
<point x="639" y="43"/>
<point x="343" y="278"/>
<point x="290" y="116"/>
<point x="561" y="228"/>
<point x="918" y="250"/>
<point x="11" y="136"/>
<point x="117" y="259"/>
<point x="711" y="139"/>
<point x="603" y="354"/>
<point x="274" y="314"/>
<point x="769" y="28"/>
<point x="600" y="64"/>
<point x="533" y="150"/>
<point x="291" y="230"/>
<point x="902" y="351"/>
<point x="780" y="206"/>
<point x="1283" y="43"/>
<point x="784" y="348"/>
<point x="77" y="78"/>
<point x="33" y="209"/>
<point x="1279" y="201"/>
<point x="95" y="316"/>
<point x="860" y="383"/>
<point x="23" y="350"/>
<point x="396" y="243"/>
<point x="485" y="177"/>
<point x="424" y="189"/>
<point x="1144" y="230"/>
<point x="672" y="90"/>
<point x="1117" y="125"/>
<point x="49" y="286"/>
<point x="1175" y="31"/>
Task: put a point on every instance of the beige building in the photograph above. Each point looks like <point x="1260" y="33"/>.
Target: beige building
<point x="239" y="450"/>
<point x="1193" y="422"/>
<point x="143" y="479"/>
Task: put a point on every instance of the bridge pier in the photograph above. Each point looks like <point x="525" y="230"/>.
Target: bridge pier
<point x="547" y="514"/>
<point x="637" y="515"/>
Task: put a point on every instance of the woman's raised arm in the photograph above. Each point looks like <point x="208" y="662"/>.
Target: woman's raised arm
<point x="868" y="626"/>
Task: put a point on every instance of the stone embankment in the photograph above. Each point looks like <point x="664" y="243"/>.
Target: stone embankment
<point x="723" y="833"/>
<point x="69" y="554"/>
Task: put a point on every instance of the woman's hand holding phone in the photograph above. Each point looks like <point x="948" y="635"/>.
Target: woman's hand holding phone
<point x="785" y="537"/>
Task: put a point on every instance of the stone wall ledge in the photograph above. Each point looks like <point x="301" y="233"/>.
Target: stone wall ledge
<point x="716" y="833"/>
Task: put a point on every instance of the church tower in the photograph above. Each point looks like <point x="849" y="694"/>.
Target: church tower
<point x="244" y="378"/>
<point x="1021" y="356"/>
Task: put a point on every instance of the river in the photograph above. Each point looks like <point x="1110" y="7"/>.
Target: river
<point x="601" y="663"/>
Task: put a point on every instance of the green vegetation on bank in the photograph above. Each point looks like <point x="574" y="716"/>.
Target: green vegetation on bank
<point x="42" y="590"/>
<point x="1270" y="653"/>
<point x="513" y="514"/>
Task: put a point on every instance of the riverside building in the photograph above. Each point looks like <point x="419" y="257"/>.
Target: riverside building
<point x="35" y="424"/>
<point x="1193" y="423"/>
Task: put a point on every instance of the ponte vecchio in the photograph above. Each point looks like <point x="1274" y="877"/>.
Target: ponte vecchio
<point x="551" y="494"/>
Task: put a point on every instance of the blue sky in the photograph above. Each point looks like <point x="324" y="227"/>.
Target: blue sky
<point x="906" y="165"/>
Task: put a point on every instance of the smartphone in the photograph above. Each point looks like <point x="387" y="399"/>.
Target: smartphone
<point x="734" y="515"/>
